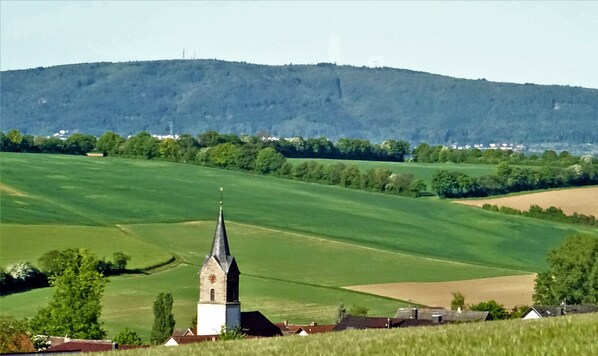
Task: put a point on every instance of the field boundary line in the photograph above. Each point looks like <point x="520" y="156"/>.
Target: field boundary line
<point x="373" y="248"/>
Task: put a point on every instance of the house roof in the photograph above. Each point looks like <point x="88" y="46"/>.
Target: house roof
<point x="368" y="322"/>
<point x="447" y="315"/>
<point x="317" y="329"/>
<point x="288" y="329"/>
<point x="59" y="344"/>
<point x="255" y="324"/>
<point x="180" y="332"/>
<point x="292" y="329"/>
<point x="557" y="310"/>
<point x="220" y="249"/>
<point x="191" y="339"/>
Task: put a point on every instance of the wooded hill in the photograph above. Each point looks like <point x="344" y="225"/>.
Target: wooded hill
<point x="292" y="100"/>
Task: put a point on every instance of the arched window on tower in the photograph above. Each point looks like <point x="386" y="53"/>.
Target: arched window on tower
<point x="212" y="295"/>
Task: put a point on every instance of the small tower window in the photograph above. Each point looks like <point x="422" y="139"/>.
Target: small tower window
<point x="212" y="295"/>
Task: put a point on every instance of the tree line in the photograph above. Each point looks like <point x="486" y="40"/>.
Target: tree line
<point x="551" y="213"/>
<point x="22" y="276"/>
<point x="509" y="179"/>
<point x="265" y="156"/>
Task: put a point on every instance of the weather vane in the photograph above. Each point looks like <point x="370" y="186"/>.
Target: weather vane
<point x="221" y="199"/>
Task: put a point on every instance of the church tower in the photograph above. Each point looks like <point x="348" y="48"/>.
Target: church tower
<point x="218" y="287"/>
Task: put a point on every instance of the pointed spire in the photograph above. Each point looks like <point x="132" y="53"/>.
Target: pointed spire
<point x="220" y="248"/>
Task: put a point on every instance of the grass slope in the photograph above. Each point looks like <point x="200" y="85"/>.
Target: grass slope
<point x="565" y="335"/>
<point x="104" y="192"/>
<point x="296" y="243"/>
<point x="29" y="242"/>
<point x="422" y="171"/>
<point x="284" y="275"/>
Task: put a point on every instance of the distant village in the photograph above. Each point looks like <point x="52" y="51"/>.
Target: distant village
<point x="515" y="147"/>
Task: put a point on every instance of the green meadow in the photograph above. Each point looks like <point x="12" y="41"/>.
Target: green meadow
<point x="296" y="243"/>
<point x="422" y="171"/>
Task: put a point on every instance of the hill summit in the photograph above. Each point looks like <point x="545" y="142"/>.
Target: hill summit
<point x="292" y="100"/>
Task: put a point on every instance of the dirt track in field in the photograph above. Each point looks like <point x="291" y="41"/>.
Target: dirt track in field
<point x="509" y="291"/>
<point x="580" y="200"/>
<point x="11" y="191"/>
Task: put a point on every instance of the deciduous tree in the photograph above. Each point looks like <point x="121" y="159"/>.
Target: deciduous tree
<point x="75" y="307"/>
<point x="163" y="319"/>
<point x="572" y="276"/>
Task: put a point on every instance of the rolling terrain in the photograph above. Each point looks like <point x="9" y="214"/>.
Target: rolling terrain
<point x="293" y="100"/>
<point x="297" y="244"/>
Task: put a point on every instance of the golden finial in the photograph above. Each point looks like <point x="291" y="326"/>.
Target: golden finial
<point x="221" y="198"/>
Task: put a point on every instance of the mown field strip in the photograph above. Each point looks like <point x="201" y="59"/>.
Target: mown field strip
<point x="574" y="200"/>
<point x="510" y="291"/>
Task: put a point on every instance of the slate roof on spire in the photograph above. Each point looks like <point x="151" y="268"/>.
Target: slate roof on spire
<point x="220" y="249"/>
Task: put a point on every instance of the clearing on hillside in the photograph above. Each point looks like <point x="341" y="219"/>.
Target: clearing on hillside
<point x="509" y="291"/>
<point x="577" y="200"/>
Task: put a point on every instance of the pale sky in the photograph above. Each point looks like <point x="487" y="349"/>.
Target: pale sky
<point x="535" y="42"/>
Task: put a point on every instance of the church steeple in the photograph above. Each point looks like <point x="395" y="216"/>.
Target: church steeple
<point x="220" y="248"/>
<point x="218" y="286"/>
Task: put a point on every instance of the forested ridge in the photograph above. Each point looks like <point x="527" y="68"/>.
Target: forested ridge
<point x="292" y="100"/>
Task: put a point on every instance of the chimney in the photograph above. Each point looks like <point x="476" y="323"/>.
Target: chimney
<point x="414" y="313"/>
<point x="436" y="318"/>
<point x="313" y="323"/>
<point x="286" y="323"/>
<point x="559" y="311"/>
<point x="388" y="323"/>
<point x="115" y="346"/>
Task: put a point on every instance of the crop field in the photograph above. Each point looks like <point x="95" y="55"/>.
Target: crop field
<point x="297" y="244"/>
<point x="422" y="171"/>
<point x="29" y="242"/>
<point x="567" y="335"/>
<point x="510" y="291"/>
<point x="574" y="200"/>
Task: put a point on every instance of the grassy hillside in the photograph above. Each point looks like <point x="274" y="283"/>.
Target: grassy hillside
<point x="555" y="336"/>
<point x="296" y="243"/>
<point x="292" y="100"/>
<point x="103" y="192"/>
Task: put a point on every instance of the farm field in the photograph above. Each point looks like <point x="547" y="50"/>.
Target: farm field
<point x="575" y="200"/>
<point x="29" y="242"/>
<point x="74" y="190"/>
<point x="510" y="291"/>
<point x="549" y="336"/>
<point x="297" y="244"/>
<point x="419" y="170"/>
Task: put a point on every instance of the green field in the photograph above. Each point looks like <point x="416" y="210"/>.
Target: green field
<point x="296" y="243"/>
<point x="422" y="171"/>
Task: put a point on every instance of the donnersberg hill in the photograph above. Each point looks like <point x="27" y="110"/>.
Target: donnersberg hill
<point x="292" y="100"/>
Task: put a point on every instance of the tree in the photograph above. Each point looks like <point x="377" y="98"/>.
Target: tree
<point x="232" y="334"/>
<point x="163" y="319"/>
<point x="127" y="337"/>
<point x="269" y="161"/>
<point x="358" y="310"/>
<point x="496" y="311"/>
<point x="13" y="335"/>
<point x="79" y="144"/>
<point x="120" y="260"/>
<point x="75" y="307"/>
<point x="341" y="313"/>
<point x="572" y="275"/>
<point x="110" y="143"/>
<point x="49" y="262"/>
<point x="458" y="301"/>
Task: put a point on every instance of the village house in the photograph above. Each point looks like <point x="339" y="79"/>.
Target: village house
<point x="547" y="311"/>
<point x="458" y="315"/>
